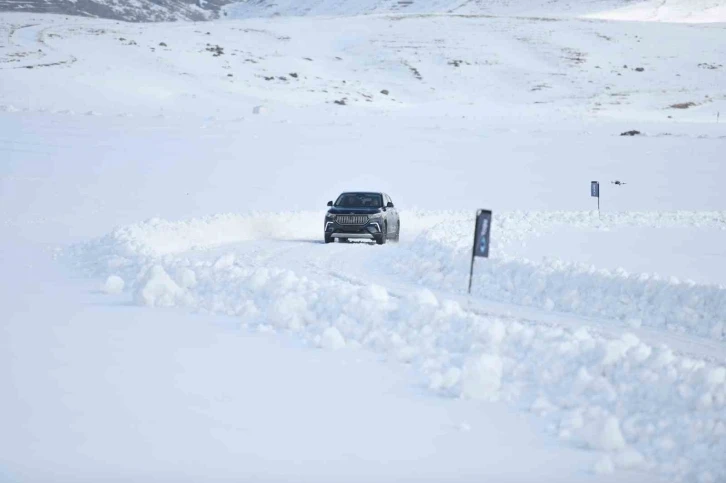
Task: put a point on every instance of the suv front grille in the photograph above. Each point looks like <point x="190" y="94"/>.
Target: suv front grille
<point x="352" y="219"/>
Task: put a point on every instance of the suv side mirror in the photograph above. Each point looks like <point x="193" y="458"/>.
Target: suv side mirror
<point x="330" y="203"/>
<point x="389" y="205"/>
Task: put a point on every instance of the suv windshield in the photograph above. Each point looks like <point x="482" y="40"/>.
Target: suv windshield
<point x="359" y="200"/>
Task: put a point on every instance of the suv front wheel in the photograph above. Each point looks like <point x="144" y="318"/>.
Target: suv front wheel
<point x="381" y="239"/>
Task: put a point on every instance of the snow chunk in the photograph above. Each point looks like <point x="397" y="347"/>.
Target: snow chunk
<point x="289" y="311"/>
<point x="159" y="290"/>
<point x="549" y="304"/>
<point x="375" y="293"/>
<point x="426" y="297"/>
<point x="482" y="378"/>
<point x="225" y="261"/>
<point x="445" y="381"/>
<point x="614" y="351"/>
<point x="187" y="278"/>
<point x="113" y="285"/>
<point x="332" y="339"/>
<point x="542" y="406"/>
<point x="496" y="332"/>
<point x="604" y="435"/>
<point x="629" y="459"/>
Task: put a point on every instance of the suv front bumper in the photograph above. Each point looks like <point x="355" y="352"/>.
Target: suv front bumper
<point x="370" y="230"/>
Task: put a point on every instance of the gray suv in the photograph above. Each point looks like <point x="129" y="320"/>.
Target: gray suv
<point x="362" y="215"/>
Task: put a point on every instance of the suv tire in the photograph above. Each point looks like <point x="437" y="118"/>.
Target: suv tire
<point x="381" y="239"/>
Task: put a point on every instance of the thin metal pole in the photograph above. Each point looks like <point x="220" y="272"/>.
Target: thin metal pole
<point x="473" y="249"/>
<point x="598" y="205"/>
<point x="471" y="273"/>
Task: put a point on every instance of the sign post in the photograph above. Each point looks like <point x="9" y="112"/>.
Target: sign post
<point x="482" y="229"/>
<point x="595" y="191"/>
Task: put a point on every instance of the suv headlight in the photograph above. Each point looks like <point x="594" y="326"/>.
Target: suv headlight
<point x="329" y="216"/>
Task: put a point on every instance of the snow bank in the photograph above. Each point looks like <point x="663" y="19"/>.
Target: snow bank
<point x="439" y="258"/>
<point x="648" y="407"/>
<point x="643" y="407"/>
<point x="157" y="237"/>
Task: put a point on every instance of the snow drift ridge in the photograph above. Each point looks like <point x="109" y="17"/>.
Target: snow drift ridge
<point x="439" y="259"/>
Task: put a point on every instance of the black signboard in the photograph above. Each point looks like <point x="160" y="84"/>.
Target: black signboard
<point x="481" y="235"/>
<point x="482" y="230"/>
<point x="595" y="189"/>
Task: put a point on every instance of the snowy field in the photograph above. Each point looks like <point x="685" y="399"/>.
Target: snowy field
<point x="168" y="310"/>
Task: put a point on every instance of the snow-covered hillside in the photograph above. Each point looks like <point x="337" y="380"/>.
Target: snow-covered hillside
<point x="484" y="69"/>
<point x="691" y="11"/>
<point x="168" y="310"/>
<point x="699" y="11"/>
<point x="126" y="10"/>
